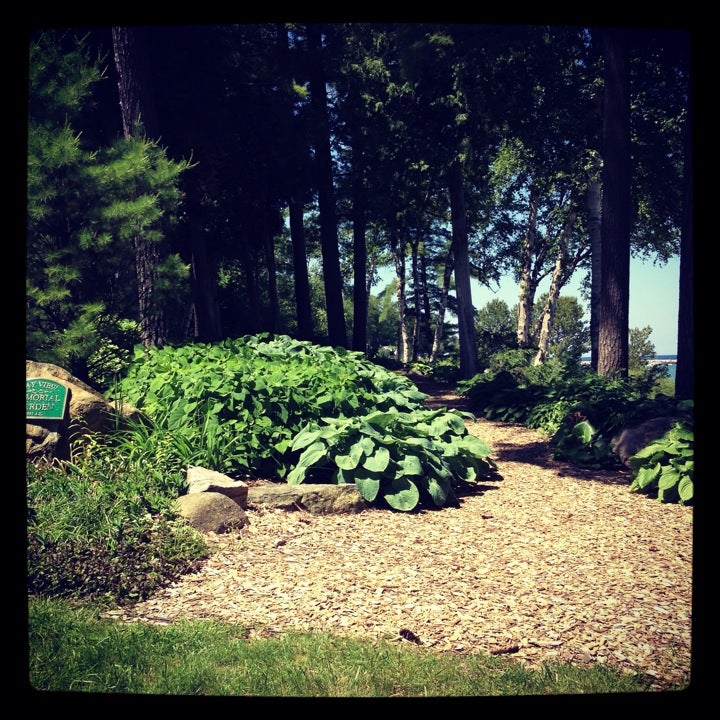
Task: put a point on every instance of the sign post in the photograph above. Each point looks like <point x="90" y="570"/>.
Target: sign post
<point x="45" y="399"/>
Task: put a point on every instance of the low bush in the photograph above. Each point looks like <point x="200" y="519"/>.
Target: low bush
<point x="101" y="528"/>
<point x="582" y="412"/>
<point x="666" y="466"/>
<point x="403" y="459"/>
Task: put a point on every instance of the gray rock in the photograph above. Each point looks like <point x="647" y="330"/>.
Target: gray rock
<point x="316" y="499"/>
<point x="211" y="512"/>
<point x="632" y="439"/>
<point x="203" y="480"/>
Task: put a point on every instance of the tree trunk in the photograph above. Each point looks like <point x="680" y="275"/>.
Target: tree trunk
<point x="337" y="334"/>
<point x="138" y="119"/>
<point x="426" y="314"/>
<point x="685" y="369"/>
<point x="416" y="299"/>
<point x="594" y="212"/>
<point x="253" y="314"/>
<point x="398" y="254"/>
<point x="360" y="297"/>
<point x="303" y="309"/>
<point x="615" y="232"/>
<point x="559" y="277"/>
<point x="526" y="287"/>
<point x="274" y="320"/>
<point x="463" y="290"/>
<point x="444" y="291"/>
<point x="206" y="311"/>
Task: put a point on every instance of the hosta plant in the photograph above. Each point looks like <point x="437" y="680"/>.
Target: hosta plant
<point x="401" y="458"/>
<point x="236" y="405"/>
<point x="666" y="466"/>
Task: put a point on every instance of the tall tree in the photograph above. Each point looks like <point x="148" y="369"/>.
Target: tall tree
<point x="444" y="292"/>
<point x="616" y="207"/>
<point x="685" y="370"/>
<point x="68" y="287"/>
<point x="297" y="152"/>
<point x="337" y="333"/>
<point x="138" y="118"/>
<point x="87" y="201"/>
<point x="528" y="276"/>
<point x="466" y="312"/>
<point x="593" y="199"/>
<point x="561" y="273"/>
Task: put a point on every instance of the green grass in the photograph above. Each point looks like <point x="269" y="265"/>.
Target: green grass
<point x="71" y="649"/>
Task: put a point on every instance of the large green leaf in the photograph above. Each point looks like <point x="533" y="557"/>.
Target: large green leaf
<point x="686" y="489"/>
<point x="368" y="487"/>
<point x="681" y="432"/>
<point x="351" y="459"/>
<point x="654" y="450"/>
<point x="449" y="422"/>
<point x="645" y="477"/>
<point x="438" y="491"/>
<point x="346" y="462"/>
<point x="307" y="436"/>
<point x="668" y="477"/>
<point x="411" y="465"/>
<point x="402" y="494"/>
<point x="296" y="475"/>
<point x="378" y="461"/>
<point x="316" y="452"/>
<point x="477" y="447"/>
<point x="421" y="442"/>
<point x="380" y="419"/>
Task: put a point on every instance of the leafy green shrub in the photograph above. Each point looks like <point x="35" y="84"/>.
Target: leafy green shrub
<point x="580" y="410"/>
<point x="400" y="457"/>
<point x="502" y="395"/>
<point x="580" y="442"/>
<point x="549" y="413"/>
<point x="666" y="466"/>
<point x="514" y="360"/>
<point x="237" y="405"/>
<point x="446" y="370"/>
<point x="483" y="388"/>
<point x="600" y="409"/>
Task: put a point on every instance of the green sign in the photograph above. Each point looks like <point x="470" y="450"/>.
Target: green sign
<point x="45" y="399"/>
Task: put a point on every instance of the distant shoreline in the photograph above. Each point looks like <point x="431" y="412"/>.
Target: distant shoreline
<point x="657" y="360"/>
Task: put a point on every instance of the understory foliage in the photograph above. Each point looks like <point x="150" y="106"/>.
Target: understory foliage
<point x="583" y="412"/>
<point x="667" y="466"/>
<point x="399" y="457"/>
<point x="104" y="528"/>
<point x="273" y="406"/>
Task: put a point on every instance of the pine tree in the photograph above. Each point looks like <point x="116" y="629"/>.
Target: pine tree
<point x="84" y="204"/>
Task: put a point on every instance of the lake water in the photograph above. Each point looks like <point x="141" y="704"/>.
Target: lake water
<point x="670" y="367"/>
<point x="658" y="358"/>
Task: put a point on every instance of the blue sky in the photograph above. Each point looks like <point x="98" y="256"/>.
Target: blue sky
<point x="654" y="292"/>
